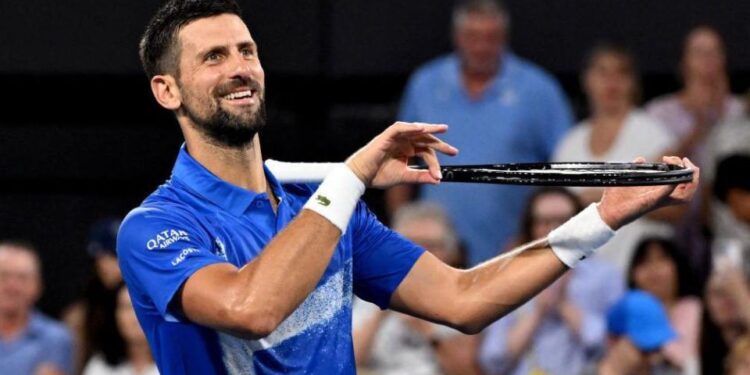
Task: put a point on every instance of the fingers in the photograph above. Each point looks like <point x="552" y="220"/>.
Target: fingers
<point x="639" y="160"/>
<point x="419" y="176"/>
<point x="400" y="129"/>
<point x="433" y="142"/>
<point x="673" y="160"/>
<point x="433" y="165"/>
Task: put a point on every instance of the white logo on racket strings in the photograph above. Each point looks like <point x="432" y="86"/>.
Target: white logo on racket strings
<point x="165" y="238"/>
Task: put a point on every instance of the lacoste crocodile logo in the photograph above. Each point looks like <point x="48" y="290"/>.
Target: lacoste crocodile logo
<point x="323" y="201"/>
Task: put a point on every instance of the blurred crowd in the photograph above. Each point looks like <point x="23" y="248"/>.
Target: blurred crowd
<point x="670" y="294"/>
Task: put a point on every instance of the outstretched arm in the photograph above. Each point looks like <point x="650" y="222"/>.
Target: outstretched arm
<point x="470" y="300"/>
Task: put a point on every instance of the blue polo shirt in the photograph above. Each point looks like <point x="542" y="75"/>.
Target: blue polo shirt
<point x="196" y="219"/>
<point x="43" y="342"/>
<point x="519" y="118"/>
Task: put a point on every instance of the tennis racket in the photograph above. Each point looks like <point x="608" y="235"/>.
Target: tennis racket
<point x="569" y="174"/>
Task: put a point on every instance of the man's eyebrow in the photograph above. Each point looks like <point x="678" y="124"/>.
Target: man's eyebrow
<point x="214" y="49"/>
<point x="248" y="43"/>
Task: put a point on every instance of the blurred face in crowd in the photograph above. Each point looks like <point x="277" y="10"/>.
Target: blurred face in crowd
<point x="127" y="323"/>
<point x="703" y="56"/>
<point x="721" y="307"/>
<point x="221" y="81"/>
<point x="657" y="274"/>
<point x="430" y="234"/>
<point x="549" y="212"/>
<point x="108" y="270"/>
<point x="738" y="201"/>
<point x="20" y="281"/>
<point x="480" y="38"/>
<point x="609" y="82"/>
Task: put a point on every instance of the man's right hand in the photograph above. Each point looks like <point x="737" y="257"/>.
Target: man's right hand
<point x="384" y="161"/>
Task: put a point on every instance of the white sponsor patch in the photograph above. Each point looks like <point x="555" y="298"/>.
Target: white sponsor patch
<point x="165" y="238"/>
<point x="184" y="254"/>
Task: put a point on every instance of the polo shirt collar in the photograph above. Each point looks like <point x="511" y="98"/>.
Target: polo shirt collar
<point x="200" y="180"/>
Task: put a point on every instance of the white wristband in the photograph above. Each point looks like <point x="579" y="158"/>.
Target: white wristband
<point x="297" y="173"/>
<point x="578" y="237"/>
<point x="337" y="196"/>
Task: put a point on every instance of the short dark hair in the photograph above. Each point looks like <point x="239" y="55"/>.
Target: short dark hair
<point x="158" y="48"/>
<point x="686" y="284"/>
<point x="732" y="172"/>
<point x="621" y="51"/>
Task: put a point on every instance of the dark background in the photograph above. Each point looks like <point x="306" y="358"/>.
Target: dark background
<point x="81" y="137"/>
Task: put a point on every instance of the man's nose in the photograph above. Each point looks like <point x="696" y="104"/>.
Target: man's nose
<point x="242" y="67"/>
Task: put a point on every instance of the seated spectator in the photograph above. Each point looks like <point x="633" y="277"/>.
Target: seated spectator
<point x="561" y="331"/>
<point x="738" y="362"/>
<point x="690" y="115"/>
<point x="387" y="342"/>
<point x="659" y="269"/>
<point x="732" y="208"/>
<point x="729" y="138"/>
<point x="137" y="359"/>
<point x="615" y="131"/>
<point x="639" y="330"/>
<point x="727" y="316"/>
<point x="92" y="317"/>
<point x="30" y="342"/>
<point x="704" y="100"/>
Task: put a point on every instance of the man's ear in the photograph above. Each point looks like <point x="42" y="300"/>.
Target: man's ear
<point x="166" y="92"/>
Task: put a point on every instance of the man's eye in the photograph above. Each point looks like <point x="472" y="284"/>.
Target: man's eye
<point x="247" y="52"/>
<point x="213" y="56"/>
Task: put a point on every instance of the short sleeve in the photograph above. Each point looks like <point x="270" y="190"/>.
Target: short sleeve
<point x="381" y="258"/>
<point x="59" y="349"/>
<point x="159" y="250"/>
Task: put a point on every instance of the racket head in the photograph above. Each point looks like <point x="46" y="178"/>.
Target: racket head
<point x="569" y="174"/>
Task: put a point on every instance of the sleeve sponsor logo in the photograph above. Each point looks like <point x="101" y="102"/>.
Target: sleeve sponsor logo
<point x="183" y="255"/>
<point x="166" y="238"/>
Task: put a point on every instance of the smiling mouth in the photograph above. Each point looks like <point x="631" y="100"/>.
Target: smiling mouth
<point x="241" y="97"/>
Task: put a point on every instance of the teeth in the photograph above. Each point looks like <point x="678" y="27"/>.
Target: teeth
<point x="239" y="95"/>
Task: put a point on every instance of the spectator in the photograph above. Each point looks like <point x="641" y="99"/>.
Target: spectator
<point x="639" y="329"/>
<point x="659" y="269"/>
<point x="730" y="138"/>
<point x="562" y="331"/>
<point x="520" y="109"/>
<point x="705" y="99"/>
<point x="690" y="115"/>
<point x="137" y="359"/>
<point x="30" y="342"/>
<point x="616" y="131"/>
<point x="738" y="362"/>
<point x="732" y="208"/>
<point x="727" y="316"/>
<point x="392" y="343"/>
<point x="92" y="317"/>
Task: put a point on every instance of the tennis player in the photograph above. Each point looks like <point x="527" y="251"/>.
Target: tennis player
<point x="232" y="272"/>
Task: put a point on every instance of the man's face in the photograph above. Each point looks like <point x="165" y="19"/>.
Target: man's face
<point x="479" y="39"/>
<point x="221" y="81"/>
<point x="610" y="83"/>
<point x="20" y="283"/>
